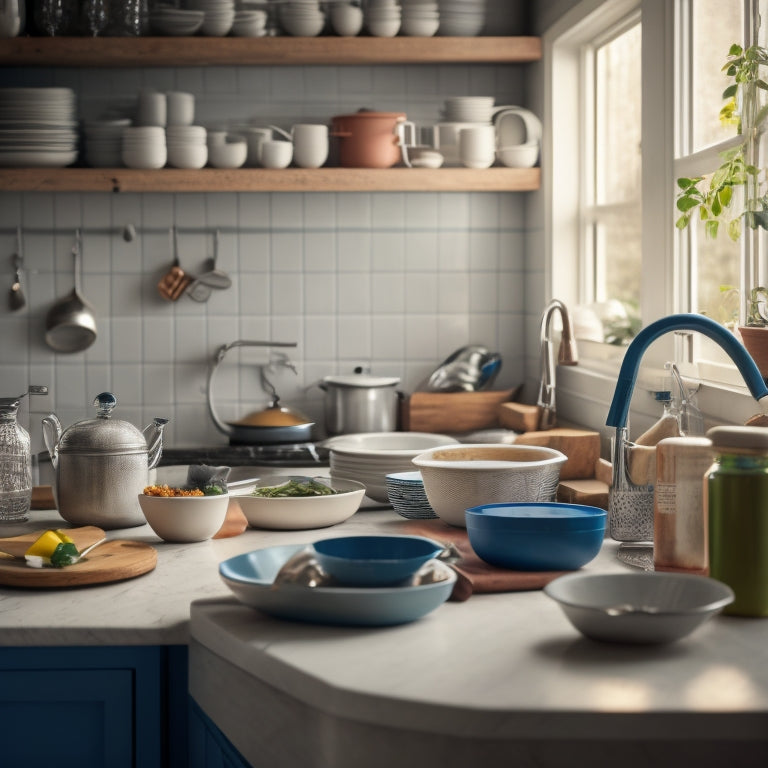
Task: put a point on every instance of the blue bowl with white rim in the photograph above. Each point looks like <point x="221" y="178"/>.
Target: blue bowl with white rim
<point x="536" y="536"/>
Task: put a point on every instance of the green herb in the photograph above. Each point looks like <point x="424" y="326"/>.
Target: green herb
<point x="294" y="488"/>
<point x="213" y="490"/>
<point x="65" y="554"/>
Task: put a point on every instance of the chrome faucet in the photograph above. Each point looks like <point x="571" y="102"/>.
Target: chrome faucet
<point x="567" y="355"/>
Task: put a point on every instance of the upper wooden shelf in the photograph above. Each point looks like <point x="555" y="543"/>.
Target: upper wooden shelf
<point x="264" y="180"/>
<point x="245" y="51"/>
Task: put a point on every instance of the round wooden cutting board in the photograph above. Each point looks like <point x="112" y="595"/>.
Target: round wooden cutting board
<point x="112" y="561"/>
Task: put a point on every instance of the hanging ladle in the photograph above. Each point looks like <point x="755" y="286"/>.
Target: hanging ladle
<point x="16" y="298"/>
<point x="70" y="325"/>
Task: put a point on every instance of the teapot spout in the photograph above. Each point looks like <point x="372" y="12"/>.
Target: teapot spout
<point x="153" y="433"/>
<point x="51" y="435"/>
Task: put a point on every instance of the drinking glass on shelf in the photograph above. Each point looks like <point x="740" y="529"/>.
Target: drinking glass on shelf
<point x="54" y="17"/>
<point x="94" y="17"/>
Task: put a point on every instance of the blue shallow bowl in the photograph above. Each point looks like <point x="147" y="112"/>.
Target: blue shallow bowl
<point x="538" y="536"/>
<point x="374" y="561"/>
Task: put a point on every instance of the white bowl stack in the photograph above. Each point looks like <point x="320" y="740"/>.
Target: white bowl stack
<point x="104" y="142"/>
<point x="187" y="147"/>
<point x="250" y="22"/>
<point x="462" y="18"/>
<point x="219" y="16"/>
<point x="38" y="127"/>
<point x="420" y="18"/>
<point x="144" y="147"/>
<point x="469" y="109"/>
<point x="175" y="22"/>
<point x="383" y="18"/>
<point x="302" y="18"/>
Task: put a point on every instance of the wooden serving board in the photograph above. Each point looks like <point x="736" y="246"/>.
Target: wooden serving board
<point x="112" y="561"/>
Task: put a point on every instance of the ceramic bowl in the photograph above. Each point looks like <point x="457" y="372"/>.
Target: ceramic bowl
<point x="185" y="518"/>
<point x="668" y="606"/>
<point x="374" y="561"/>
<point x="227" y="154"/>
<point x="301" y="512"/>
<point x="520" y="156"/>
<point x="457" y="477"/>
<point x="536" y="537"/>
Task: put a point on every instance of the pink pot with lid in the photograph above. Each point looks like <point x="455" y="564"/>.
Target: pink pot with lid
<point x="370" y="139"/>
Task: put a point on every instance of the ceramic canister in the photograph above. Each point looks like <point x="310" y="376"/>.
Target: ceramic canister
<point x="368" y="139"/>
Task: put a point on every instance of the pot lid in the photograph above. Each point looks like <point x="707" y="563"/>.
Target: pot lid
<point x="103" y="434"/>
<point x="362" y="380"/>
<point x="274" y="416"/>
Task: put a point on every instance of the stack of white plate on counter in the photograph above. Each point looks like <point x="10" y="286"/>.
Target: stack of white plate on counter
<point x="187" y="147"/>
<point x="369" y="457"/>
<point x="462" y="18"/>
<point x="104" y="142"/>
<point x="420" y="18"/>
<point x="408" y="497"/>
<point x="219" y="15"/>
<point x="383" y="18"/>
<point x="144" y="147"/>
<point x="38" y="127"/>
<point x="175" y="22"/>
<point x="302" y="18"/>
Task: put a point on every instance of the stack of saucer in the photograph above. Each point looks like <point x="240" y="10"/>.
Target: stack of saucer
<point x="421" y="18"/>
<point x="187" y="147"/>
<point x="302" y="18"/>
<point x="469" y="109"/>
<point x="219" y="15"/>
<point x="144" y="146"/>
<point x="383" y="18"/>
<point x="407" y="496"/>
<point x="104" y="142"/>
<point x="38" y="127"/>
<point x="462" y="18"/>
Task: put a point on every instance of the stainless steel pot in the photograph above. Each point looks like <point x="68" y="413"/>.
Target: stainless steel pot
<point x="102" y="465"/>
<point x="361" y="403"/>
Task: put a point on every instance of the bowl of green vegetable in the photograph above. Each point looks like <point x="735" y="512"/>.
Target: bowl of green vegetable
<point x="293" y="502"/>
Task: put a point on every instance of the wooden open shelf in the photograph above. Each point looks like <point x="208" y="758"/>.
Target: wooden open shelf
<point x="244" y="51"/>
<point x="264" y="180"/>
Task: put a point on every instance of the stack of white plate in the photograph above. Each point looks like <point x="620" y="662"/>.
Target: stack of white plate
<point x="249" y="23"/>
<point x="462" y="18"/>
<point x="144" y="147"/>
<point x="421" y="18"/>
<point x="408" y="497"/>
<point x="219" y="15"/>
<point x="469" y="109"/>
<point x="38" y="127"/>
<point x="104" y="142"/>
<point x="302" y="18"/>
<point x="383" y="18"/>
<point x="175" y="22"/>
<point x="187" y="146"/>
<point x="370" y="457"/>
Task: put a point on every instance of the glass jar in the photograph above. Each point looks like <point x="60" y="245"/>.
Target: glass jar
<point x="15" y="465"/>
<point x="737" y="505"/>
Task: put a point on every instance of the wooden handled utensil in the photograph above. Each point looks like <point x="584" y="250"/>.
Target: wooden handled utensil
<point x="176" y="280"/>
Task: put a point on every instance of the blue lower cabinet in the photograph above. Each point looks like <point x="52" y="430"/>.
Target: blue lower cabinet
<point x="208" y="746"/>
<point x="94" y="707"/>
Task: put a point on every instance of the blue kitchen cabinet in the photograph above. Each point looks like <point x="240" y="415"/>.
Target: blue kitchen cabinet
<point x="94" y="707"/>
<point x="208" y="746"/>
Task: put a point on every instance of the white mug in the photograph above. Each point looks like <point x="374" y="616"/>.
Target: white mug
<point x="310" y="145"/>
<point x="180" y="108"/>
<point x="477" y="146"/>
<point x="275" y="153"/>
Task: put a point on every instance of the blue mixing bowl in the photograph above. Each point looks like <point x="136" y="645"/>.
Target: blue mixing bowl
<point x="536" y="536"/>
<point x="374" y="561"/>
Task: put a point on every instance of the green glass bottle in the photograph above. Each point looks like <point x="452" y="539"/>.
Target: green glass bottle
<point x="737" y="504"/>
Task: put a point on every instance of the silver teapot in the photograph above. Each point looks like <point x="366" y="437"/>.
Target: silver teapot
<point x="102" y="465"/>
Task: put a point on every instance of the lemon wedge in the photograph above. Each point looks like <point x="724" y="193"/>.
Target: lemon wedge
<point x="52" y="548"/>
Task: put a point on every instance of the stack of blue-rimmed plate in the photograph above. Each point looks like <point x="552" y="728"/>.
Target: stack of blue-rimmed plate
<point x="38" y="127"/>
<point x="406" y="494"/>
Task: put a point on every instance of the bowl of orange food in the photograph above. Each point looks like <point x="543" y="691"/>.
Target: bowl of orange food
<point x="183" y="515"/>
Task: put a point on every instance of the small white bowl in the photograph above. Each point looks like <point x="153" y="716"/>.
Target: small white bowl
<point x="185" y="518"/>
<point x="190" y="156"/>
<point x="415" y="26"/>
<point x="229" y="154"/>
<point x="520" y="156"/>
<point x="388" y="27"/>
<point x="346" y="20"/>
<point x="667" y="606"/>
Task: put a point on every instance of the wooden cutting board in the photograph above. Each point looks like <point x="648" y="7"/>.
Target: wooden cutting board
<point x="112" y="561"/>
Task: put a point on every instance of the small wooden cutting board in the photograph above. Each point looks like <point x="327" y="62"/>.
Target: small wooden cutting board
<point x="112" y="561"/>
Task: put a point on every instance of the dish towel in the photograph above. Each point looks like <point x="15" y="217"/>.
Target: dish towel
<point x="475" y="576"/>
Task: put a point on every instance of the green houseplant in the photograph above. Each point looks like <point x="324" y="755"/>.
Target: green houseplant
<point x="734" y="198"/>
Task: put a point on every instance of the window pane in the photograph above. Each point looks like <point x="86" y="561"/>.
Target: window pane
<point x="617" y="101"/>
<point x="716" y="277"/>
<point x="716" y="24"/>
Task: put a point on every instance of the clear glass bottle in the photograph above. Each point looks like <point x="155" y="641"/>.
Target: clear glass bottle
<point x="15" y="464"/>
<point x="737" y="504"/>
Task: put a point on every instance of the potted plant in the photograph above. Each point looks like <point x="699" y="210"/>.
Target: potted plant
<point x="735" y="198"/>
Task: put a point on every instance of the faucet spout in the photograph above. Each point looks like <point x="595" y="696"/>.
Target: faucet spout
<point x="567" y="355"/>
